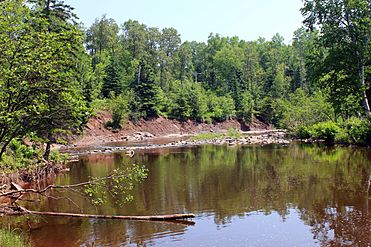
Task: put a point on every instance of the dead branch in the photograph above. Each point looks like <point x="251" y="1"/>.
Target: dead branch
<point x="19" y="191"/>
<point x="179" y="218"/>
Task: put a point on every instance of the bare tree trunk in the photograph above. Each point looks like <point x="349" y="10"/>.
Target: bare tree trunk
<point x="48" y="147"/>
<point x="368" y="184"/>
<point x="139" y="73"/>
<point x="366" y="105"/>
<point x="47" y="150"/>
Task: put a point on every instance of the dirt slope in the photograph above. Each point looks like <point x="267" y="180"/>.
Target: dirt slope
<point x="95" y="132"/>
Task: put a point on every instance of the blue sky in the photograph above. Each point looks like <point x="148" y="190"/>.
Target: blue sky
<point x="196" y="19"/>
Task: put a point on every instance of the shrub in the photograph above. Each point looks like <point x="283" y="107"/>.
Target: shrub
<point x="220" y="108"/>
<point x="356" y="131"/>
<point x="58" y="158"/>
<point x="303" y="132"/>
<point x="18" y="156"/>
<point x="302" y="109"/>
<point x="245" y="108"/>
<point x="326" y="131"/>
<point x="119" y="109"/>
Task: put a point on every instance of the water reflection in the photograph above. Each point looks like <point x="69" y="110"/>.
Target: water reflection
<point x="299" y="195"/>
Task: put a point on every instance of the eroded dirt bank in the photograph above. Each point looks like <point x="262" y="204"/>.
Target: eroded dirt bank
<point x="165" y="133"/>
<point x="96" y="134"/>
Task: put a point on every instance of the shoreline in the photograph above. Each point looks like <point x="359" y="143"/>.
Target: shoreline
<point x="147" y="142"/>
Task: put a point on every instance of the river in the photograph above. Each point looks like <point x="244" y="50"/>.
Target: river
<point x="273" y="195"/>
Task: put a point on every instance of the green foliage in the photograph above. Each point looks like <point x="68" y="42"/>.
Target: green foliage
<point x="116" y="185"/>
<point x="119" y="109"/>
<point x="13" y="238"/>
<point x="302" y="110"/>
<point x="220" y="108"/>
<point x="148" y="93"/>
<point x="326" y="131"/>
<point x="39" y="83"/>
<point x="344" y="33"/>
<point x="356" y="130"/>
<point x="303" y="132"/>
<point x="188" y="102"/>
<point x="181" y="105"/>
<point x="22" y="151"/>
<point x="245" y="109"/>
<point x="112" y="82"/>
<point x="192" y="101"/>
<point x="58" y="158"/>
<point x="351" y="131"/>
<point x="19" y="156"/>
<point x="234" y="133"/>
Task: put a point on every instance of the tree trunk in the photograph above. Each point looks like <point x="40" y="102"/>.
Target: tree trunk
<point x="5" y="145"/>
<point x="139" y="73"/>
<point x="3" y="149"/>
<point x="366" y="105"/>
<point x="48" y="147"/>
<point x="47" y="151"/>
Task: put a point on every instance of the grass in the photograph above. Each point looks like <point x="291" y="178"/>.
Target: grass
<point x="232" y="133"/>
<point x="11" y="238"/>
<point x="207" y="136"/>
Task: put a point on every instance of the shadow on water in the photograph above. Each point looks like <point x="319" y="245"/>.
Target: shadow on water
<point x="304" y="195"/>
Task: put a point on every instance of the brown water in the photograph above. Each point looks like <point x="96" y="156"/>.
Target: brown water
<point x="297" y="195"/>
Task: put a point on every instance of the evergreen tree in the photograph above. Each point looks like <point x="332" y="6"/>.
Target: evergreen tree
<point x="112" y="81"/>
<point x="147" y="92"/>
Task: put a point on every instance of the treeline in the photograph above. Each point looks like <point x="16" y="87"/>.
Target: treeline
<point x="55" y="73"/>
<point x="323" y="76"/>
<point x="213" y="81"/>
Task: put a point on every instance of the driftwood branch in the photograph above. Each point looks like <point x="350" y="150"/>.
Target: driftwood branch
<point x="178" y="218"/>
<point x="94" y="216"/>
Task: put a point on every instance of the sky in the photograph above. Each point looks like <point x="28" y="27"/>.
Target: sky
<point x="196" y="19"/>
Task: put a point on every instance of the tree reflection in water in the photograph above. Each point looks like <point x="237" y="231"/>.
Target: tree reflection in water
<point x="327" y="187"/>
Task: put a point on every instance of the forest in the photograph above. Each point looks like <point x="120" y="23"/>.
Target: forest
<point x="56" y="73"/>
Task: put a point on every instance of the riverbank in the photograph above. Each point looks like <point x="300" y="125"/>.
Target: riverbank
<point x="164" y="133"/>
<point x="263" y="137"/>
<point x="95" y="132"/>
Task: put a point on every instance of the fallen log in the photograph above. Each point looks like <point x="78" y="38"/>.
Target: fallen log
<point x="94" y="216"/>
<point x="170" y="217"/>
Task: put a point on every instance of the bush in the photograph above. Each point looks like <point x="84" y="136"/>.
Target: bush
<point x="18" y="156"/>
<point x="302" y="110"/>
<point x="356" y="131"/>
<point x="326" y="131"/>
<point x="220" y="108"/>
<point x="119" y="109"/>
<point x="58" y="158"/>
<point x="303" y="132"/>
<point x="352" y="131"/>
<point x="246" y="108"/>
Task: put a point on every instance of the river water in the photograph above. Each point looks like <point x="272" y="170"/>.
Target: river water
<point x="295" y="195"/>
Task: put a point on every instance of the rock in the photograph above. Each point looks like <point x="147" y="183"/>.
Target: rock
<point x="147" y="134"/>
